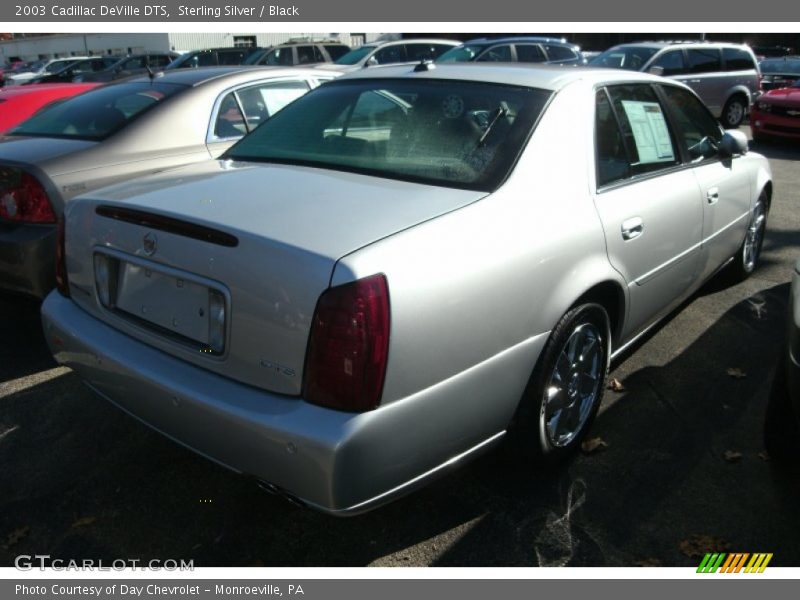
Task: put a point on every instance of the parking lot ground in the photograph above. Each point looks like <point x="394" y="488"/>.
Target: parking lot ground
<point x="79" y="479"/>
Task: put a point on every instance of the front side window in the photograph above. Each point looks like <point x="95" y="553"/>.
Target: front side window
<point x="449" y="133"/>
<point x="704" y="60"/>
<point x="418" y="52"/>
<point x="497" y="54"/>
<point x="697" y="130"/>
<point x="671" y="61"/>
<point x="530" y="53"/>
<point x="648" y="141"/>
<point x="98" y="113"/>
<point x="231" y="57"/>
<point x="279" y="57"/>
<point x="390" y="55"/>
<point x="307" y="55"/>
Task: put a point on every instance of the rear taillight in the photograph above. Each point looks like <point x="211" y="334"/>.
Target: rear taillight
<point x="62" y="284"/>
<point x="22" y="198"/>
<point x="349" y="346"/>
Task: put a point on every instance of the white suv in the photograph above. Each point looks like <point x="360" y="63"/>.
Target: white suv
<point x="724" y="75"/>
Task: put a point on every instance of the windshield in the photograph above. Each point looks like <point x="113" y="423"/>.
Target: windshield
<point x="255" y="57"/>
<point x="780" y="66"/>
<point x="97" y="114"/>
<point x="451" y="133"/>
<point x="463" y="53"/>
<point x="354" y="56"/>
<point x="632" y="58"/>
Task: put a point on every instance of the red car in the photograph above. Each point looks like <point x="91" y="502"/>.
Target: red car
<point x="777" y="114"/>
<point x="19" y="102"/>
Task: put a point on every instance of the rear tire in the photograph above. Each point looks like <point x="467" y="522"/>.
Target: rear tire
<point x="566" y="386"/>
<point x="746" y="259"/>
<point x="734" y="112"/>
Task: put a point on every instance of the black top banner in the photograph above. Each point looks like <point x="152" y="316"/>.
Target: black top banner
<point x="467" y="11"/>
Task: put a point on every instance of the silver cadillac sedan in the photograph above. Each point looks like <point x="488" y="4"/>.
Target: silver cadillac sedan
<point x="117" y="132"/>
<point x="401" y="268"/>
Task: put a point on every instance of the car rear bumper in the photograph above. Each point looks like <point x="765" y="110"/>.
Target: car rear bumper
<point x="27" y="258"/>
<point x="340" y="463"/>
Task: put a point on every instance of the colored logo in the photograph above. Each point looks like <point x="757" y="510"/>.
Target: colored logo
<point x="735" y="562"/>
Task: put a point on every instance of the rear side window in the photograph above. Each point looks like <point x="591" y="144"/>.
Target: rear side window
<point x="307" y="55"/>
<point x="530" y="53"/>
<point x="418" y="52"/>
<point x="704" y="60"/>
<point x="697" y="130"/>
<point x="159" y="60"/>
<point x="737" y="59"/>
<point x="612" y="160"/>
<point x="97" y="114"/>
<point x="644" y="128"/>
<point x="671" y="61"/>
<point x="556" y="52"/>
<point x="259" y="103"/>
<point x="278" y="56"/>
<point x="231" y="57"/>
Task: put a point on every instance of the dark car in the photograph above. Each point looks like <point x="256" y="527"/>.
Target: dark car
<point x="211" y="57"/>
<point x="782" y="423"/>
<point x="76" y="69"/>
<point x="779" y="72"/>
<point x="128" y="66"/>
<point x="528" y="49"/>
<point x="299" y="53"/>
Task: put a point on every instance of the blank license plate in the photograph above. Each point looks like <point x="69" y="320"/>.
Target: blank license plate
<point x="172" y="303"/>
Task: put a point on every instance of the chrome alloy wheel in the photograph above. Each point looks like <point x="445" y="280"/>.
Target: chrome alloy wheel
<point x="574" y="385"/>
<point x="754" y="238"/>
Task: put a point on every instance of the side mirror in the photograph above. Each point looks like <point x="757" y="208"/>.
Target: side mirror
<point x="371" y="62"/>
<point x="733" y="143"/>
<point x="656" y="71"/>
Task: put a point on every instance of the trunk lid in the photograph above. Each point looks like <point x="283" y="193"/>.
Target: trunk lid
<point x="291" y="225"/>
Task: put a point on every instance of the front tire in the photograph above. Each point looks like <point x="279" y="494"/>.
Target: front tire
<point x="746" y="259"/>
<point x="734" y="112"/>
<point x="567" y="384"/>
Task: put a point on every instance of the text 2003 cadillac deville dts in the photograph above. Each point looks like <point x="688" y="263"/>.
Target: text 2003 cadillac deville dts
<point x="385" y="276"/>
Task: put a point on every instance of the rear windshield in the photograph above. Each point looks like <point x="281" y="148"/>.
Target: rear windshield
<point x="631" y="58"/>
<point x="463" y="53"/>
<point x="780" y="66"/>
<point x="97" y="114"/>
<point x="451" y="133"/>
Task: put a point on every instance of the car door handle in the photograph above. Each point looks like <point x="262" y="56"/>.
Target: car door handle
<point x="712" y="195"/>
<point x="632" y="228"/>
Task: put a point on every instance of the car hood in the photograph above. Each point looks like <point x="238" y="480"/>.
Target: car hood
<point x="783" y="95"/>
<point x="329" y="213"/>
<point x="338" y="68"/>
<point x="36" y="150"/>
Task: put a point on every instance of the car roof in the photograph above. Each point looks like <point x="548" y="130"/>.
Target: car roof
<point x="547" y="77"/>
<point x="201" y="75"/>
<point x="520" y="38"/>
<point x="413" y="41"/>
<point x="666" y="43"/>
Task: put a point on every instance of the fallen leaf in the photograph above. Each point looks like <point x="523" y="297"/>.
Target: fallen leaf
<point x="736" y="373"/>
<point x="764" y="455"/>
<point x="700" y="545"/>
<point x="615" y="385"/>
<point x="732" y="456"/>
<point x="15" y="536"/>
<point x="84" y="522"/>
<point x="593" y="445"/>
<point x="648" y="562"/>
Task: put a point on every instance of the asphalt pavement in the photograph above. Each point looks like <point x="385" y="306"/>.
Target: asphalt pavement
<point x="679" y="467"/>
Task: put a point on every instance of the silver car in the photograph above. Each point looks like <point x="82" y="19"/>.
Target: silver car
<point x="725" y="75"/>
<point x="116" y="132"/>
<point x="399" y="269"/>
<point x="389" y="53"/>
